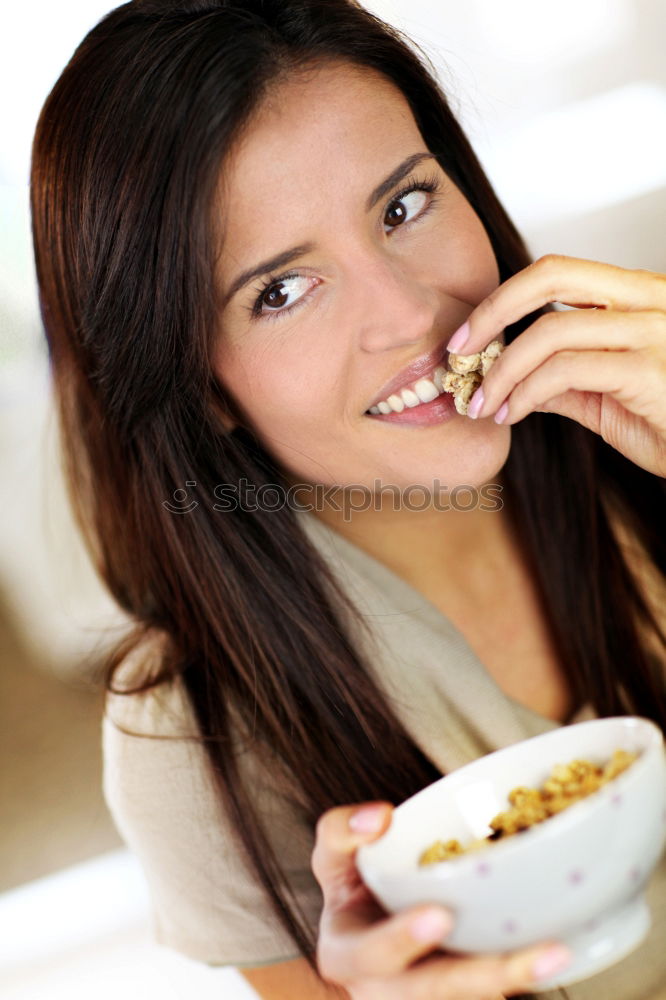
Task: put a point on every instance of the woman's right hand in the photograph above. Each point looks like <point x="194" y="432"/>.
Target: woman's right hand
<point x="378" y="957"/>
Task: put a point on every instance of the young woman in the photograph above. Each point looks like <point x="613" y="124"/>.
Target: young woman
<point x="253" y="223"/>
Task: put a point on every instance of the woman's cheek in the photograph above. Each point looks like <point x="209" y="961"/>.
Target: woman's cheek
<point x="289" y="391"/>
<point x="464" y="265"/>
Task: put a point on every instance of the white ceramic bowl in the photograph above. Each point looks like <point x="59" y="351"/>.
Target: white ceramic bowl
<point x="578" y="877"/>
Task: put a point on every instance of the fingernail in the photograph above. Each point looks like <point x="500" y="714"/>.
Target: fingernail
<point x="367" y="820"/>
<point x="552" y="961"/>
<point x="430" y="926"/>
<point x="501" y="413"/>
<point x="476" y="404"/>
<point x="459" y="338"/>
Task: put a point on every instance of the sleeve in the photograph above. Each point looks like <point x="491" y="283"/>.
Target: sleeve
<point x="206" y="902"/>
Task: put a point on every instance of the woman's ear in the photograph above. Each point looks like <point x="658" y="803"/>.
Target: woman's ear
<point x="220" y="409"/>
<point x="226" y="421"/>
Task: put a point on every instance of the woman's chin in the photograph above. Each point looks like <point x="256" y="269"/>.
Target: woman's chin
<point x="472" y="464"/>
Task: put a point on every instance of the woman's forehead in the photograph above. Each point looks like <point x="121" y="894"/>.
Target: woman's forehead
<point x="330" y="133"/>
<point x="323" y="117"/>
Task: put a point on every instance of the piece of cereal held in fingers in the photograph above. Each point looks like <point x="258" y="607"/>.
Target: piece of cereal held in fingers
<point x="490" y="355"/>
<point x="464" y="363"/>
<point x="466" y="389"/>
<point x="467" y="372"/>
<point x="452" y="382"/>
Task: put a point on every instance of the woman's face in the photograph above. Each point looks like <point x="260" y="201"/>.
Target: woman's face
<point x="306" y="347"/>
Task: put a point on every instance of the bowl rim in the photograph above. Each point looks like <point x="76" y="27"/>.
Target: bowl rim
<point x="574" y="815"/>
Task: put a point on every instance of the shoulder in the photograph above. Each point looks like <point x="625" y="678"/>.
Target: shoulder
<point x="162" y="709"/>
<point x="153" y="765"/>
<point x="151" y="735"/>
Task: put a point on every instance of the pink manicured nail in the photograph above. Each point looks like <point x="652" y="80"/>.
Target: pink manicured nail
<point x="367" y="820"/>
<point x="476" y="404"/>
<point x="502" y="413"/>
<point x="459" y="338"/>
<point x="430" y="926"/>
<point x="551" y="962"/>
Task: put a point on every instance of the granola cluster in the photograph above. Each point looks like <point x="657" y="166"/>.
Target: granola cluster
<point x="567" y="783"/>
<point x="468" y="371"/>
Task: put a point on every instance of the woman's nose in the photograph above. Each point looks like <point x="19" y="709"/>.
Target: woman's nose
<point x="395" y="309"/>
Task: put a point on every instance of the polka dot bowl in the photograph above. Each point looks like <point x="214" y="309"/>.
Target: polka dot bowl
<point x="578" y="877"/>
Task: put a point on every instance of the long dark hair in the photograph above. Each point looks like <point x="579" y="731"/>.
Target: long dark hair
<point x="126" y="160"/>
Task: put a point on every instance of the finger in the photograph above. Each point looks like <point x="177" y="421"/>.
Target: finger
<point x="471" y="978"/>
<point x="628" y="378"/>
<point x="558" y="331"/>
<point x="340" y="831"/>
<point x="351" y="950"/>
<point x="555" y="278"/>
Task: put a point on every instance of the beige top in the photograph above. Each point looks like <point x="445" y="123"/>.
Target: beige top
<point x="205" y="902"/>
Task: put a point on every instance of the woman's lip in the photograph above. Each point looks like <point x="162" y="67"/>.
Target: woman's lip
<point x="437" y="411"/>
<point x="410" y="373"/>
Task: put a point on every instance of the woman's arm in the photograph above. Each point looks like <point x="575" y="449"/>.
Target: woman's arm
<point x="293" y="980"/>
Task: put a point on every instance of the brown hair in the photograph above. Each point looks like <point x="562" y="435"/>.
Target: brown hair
<point x="126" y="160"/>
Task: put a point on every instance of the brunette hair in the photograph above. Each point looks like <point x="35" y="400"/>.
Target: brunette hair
<point x="126" y="161"/>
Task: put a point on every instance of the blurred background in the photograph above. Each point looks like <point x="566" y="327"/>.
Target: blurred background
<point x="566" y="107"/>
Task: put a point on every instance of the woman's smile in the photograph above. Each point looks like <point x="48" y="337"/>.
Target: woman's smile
<point x="422" y="414"/>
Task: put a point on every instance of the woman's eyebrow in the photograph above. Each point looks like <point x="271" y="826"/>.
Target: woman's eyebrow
<point x="395" y="177"/>
<point x="287" y="256"/>
<point x="273" y="264"/>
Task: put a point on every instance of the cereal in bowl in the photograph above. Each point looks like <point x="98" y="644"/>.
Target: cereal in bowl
<point x="566" y="784"/>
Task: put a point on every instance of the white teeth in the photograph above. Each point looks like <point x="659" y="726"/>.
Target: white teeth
<point x="438" y="377"/>
<point x="409" y="398"/>
<point x="396" y="404"/>
<point x="426" y="390"/>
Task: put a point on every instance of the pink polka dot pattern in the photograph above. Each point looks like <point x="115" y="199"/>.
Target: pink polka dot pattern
<point x="509" y="926"/>
<point x="635" y="874"/>
<point x="617" y="799"/>
<point x="576" y="876"/>
<point x="483" y="868"/>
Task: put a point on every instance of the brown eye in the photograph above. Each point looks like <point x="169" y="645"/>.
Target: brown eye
<point x="274" y="298"/>
<point x="281" y="295"/>
<point x="405" y="207"/>
<point x="396" y="214"/>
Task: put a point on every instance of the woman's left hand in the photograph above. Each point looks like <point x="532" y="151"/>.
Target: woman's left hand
<point x="603" y="364"/>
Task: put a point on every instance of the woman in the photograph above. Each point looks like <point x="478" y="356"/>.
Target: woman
<point x="254" y="222"/>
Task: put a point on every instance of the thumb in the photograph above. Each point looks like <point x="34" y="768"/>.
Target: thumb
<point x="340" y="832"/>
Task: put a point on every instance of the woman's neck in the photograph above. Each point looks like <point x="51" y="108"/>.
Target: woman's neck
<point x="461" y="554"/>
